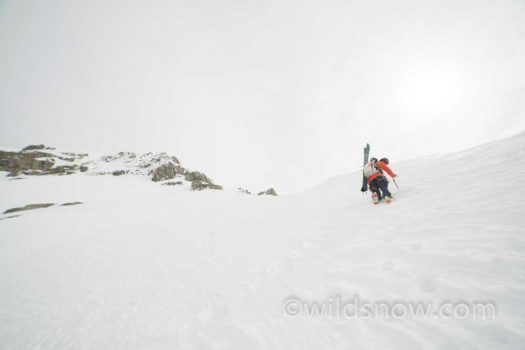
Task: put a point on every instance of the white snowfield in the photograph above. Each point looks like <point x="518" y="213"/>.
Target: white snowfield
<point x="144" y="266"/>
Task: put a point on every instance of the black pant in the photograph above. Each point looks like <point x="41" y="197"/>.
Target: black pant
<point x="380" y="183"/>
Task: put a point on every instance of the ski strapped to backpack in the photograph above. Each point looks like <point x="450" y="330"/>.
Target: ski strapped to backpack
<point x="364" y="187"/>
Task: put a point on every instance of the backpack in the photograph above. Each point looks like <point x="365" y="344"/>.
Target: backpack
<point x="369" y="170"/>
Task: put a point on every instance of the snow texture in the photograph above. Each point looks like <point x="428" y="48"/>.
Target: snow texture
<point x="141" y="266"/>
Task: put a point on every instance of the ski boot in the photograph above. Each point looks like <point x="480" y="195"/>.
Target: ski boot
<point x="388" y="199"/>
<point x="375" y="198"/>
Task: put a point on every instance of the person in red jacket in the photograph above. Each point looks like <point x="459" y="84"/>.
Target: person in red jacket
<point x="377" y="181"/>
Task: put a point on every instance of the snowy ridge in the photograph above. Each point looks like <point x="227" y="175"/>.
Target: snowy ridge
<point x="136" y="266"/>
<point x="159" y="167"/>
<point x="129" y="162"/>
<point x="97" y="164"/>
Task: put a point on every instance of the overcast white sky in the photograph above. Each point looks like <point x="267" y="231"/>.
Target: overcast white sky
<point x="262" y="93"/>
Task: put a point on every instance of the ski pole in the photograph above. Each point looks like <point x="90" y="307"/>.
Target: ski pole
<point x="395" y="183"/>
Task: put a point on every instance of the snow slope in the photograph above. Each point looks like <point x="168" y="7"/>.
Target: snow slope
<point x="140" y="266"/>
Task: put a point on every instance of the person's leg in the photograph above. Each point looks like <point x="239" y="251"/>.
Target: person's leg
<point x="374" y="187"/>
<point x="382" y="183"/>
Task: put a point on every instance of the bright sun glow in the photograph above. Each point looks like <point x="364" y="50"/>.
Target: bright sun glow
<point x="425" y="88"/>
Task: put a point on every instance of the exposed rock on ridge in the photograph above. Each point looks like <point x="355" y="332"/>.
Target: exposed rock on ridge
<point x="268" y="192"/>
<point x="42" y="160"/>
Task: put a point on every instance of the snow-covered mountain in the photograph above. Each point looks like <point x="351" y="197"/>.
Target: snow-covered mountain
<point x="141" y="266"/>
<point x="38" y="160"/>
<point x="41" y="160"/>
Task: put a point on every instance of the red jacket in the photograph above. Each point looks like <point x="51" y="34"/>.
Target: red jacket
<point x="384" y="167"/>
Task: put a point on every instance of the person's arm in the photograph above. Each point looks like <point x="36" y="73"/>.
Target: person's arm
<point x="386" y="168"/>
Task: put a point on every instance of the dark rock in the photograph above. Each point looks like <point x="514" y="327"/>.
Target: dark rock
<point x="4" y="154"/>
<point x="202" y="177"/>
<point x="195" y="175"/>
<point x="190" y="176"/>
<point x="6" y="162"/>
<point x="33" y="147"/>
<point x="243" y="190"/>
<point x="214" y="187"/>
<point x="70" y="203"/>
<point x="33" y="172"/>
<point x="200" y="181"/>
<point x="198" y="185"/>
<point x="16" y="162"/>
<point x="164" y="172"/>
<point x="83" y="168"/>
<point x="9" y="217"/>
<point x="268" y="192"/>
<point x="29" y="207"/>
<point x="127" y="155"/>
<point x="63" y="170"/>
<point x="172" y="183"/>
<point x="119" y="172"/>
<point x="34" y="162"/>
<point x="70" y="159"/>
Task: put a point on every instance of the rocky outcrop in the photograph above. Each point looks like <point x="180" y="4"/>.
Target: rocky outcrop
<point x="164" y="172"/>
<point x="268" y="192"/>
<point x="42" y="160"/>
<point x="120" y="155"/>
<point x="63" y="170"/>
<point x="10" y="217"/>
<point x="32" y="160"/>
<point x="173" y="183"/>
<point x="195" y="175"/>
<point x="5" y="158"/>
<point x="18" y="162"/>
<point x="198" y="185"/>
<point x="35" y="147"/>
<point x="70" y="203"/>
<point x="243" y="190"/>
<point x="29" y="207"/>
<point x="38" y="206"/>
<point x="200" y="181"/>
